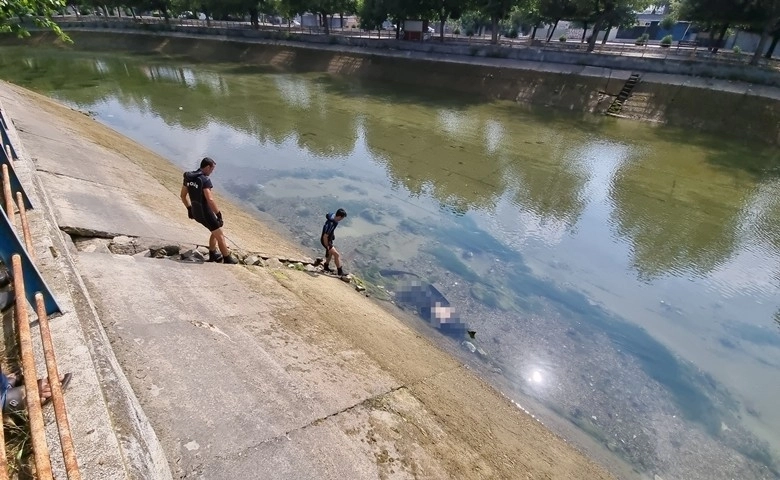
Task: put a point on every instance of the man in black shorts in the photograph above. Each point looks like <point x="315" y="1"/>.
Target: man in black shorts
<point x="326" y="239"/>
<point x="202" y="208"/>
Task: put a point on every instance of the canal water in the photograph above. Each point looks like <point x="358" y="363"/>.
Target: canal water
<point x="624" y="276"/>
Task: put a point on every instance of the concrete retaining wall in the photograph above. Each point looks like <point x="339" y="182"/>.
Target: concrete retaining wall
<point x="692" y="66"/>
<point x="739" y="110"/>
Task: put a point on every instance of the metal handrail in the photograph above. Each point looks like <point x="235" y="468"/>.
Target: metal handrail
<point x="32" y="394"/>
<point x="25" y="274"/>
<point x="25" y="226"/>
<point x="66" y="440"/>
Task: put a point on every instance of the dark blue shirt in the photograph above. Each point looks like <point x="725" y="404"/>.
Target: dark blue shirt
<point x="330" y="226"/>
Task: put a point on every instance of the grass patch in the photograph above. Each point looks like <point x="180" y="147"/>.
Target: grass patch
<point x="18" y="448"/>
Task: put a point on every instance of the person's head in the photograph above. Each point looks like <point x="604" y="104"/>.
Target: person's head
<point x="207" y="166"/>
<point x="341" y="214"/>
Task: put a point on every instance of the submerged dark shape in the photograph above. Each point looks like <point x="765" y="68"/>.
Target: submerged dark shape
<point x="432" y="306"/>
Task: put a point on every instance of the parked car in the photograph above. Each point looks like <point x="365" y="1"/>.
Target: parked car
<point x="388" y="25"/>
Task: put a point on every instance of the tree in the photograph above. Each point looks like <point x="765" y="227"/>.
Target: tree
<point x="164" y="6"/>
<point x="527" y="13"/>
<point x="13" y="13"/>
<point x="372" y="14"/>
<point x="771" y="13"/>
<point x="553" y="11"/>
<point x="497" y="10"/>
<point x="717" y="15"/>
<point x="606" y="12"/>
<point x="445" y="9"/>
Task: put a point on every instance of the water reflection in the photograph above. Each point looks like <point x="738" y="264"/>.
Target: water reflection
<point x="627" y="276"/>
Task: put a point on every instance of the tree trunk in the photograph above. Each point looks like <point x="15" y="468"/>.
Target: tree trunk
<point x="722" y="34"/>
<point x="132" y="12"/>
<point x="494" y="29"/>
<point x="584" y="32"/>
<point x="254" y="15"/>
<point x="594" y="34"/>
<point x="208" y="19"/>
<point x="442" y="21"/>
<point x="771" y="50"/>
<point x="770" y="24"/>
<point x="397" y="29"/>
<point x="606" y="33"/>
<point x="533" y="33"/>
<point x="552" y="32"/>
<point x="105" y="10"/>
<point x="324" y="16"/>
<point x="341" y="17"/>
<point x="712" y="38"/>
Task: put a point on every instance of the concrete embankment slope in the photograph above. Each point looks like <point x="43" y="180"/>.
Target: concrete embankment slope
<point x="737" y="109"/>
<point x="259" y="371"/>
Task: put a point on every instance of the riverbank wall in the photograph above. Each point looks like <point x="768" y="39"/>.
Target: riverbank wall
<point x="746" y="111"/>
<point x="700" y="62"/>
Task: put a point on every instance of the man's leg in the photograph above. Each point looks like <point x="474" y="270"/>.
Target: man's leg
<point x="337" y="259"/>
<point x="223" y="248"/>
<point x="214" y="256"/>
<point x="219" y="239"/>
<point x="326" y="263"/>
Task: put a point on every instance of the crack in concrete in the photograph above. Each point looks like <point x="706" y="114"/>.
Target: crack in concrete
<point x="87" y="233"/>
<point x="364" y="402"/>
<point x="63" y="175"/>
<point x="315" y="422"/>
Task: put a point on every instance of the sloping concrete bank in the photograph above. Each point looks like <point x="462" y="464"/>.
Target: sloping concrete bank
<point x="742" y="110"/>
<point x="249" y="371"/>
<point x="112" y="436"/>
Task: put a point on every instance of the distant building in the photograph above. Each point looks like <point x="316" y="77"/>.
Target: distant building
<point x="649" y="21"/>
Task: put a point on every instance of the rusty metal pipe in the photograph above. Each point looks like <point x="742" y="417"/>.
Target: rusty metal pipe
<point x="25" y="226"/>
<point x="3" y="456"/>
<point x="66" y="440"/>
<point x="32" y="394"/>
<point x="9" y="199"/>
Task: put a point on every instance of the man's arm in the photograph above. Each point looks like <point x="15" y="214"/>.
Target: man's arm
<point x="210" y="201"/>
<point x="183" y="195"/>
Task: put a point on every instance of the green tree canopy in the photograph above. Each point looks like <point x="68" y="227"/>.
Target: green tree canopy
<point x="14" y="13"/>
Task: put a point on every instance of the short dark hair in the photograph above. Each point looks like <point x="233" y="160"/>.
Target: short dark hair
<point x="207" y="162"/>
<point x="341" y="213"/>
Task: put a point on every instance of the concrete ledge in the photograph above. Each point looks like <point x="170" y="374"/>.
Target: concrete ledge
<point x="113" y="438"/>
<point x="675" y="66"/>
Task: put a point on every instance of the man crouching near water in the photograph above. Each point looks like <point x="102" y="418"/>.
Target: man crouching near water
<point x="202" y="208"/>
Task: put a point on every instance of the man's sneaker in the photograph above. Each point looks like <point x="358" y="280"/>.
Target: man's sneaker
<point x="230" y="260"/>
<point x="327" y="269"/>
<point x="215" y="257"/>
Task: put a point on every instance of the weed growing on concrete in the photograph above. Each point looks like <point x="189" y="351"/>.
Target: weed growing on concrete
<point x="18" y="447"/>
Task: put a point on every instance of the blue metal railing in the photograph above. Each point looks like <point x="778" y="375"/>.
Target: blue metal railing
<point x="10" y="243"/>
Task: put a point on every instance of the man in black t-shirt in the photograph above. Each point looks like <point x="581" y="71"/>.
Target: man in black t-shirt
<point x="202" y="208"/>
